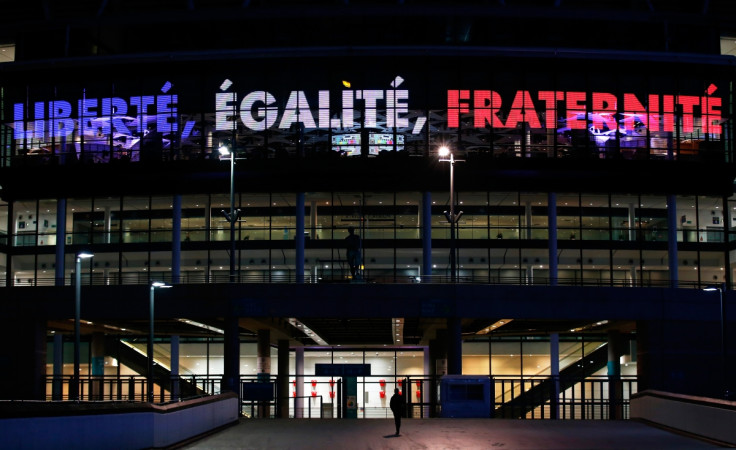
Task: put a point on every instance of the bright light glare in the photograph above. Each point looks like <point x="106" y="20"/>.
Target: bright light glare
<point x="224" y="151"/>
<point x="84" y="255"/>
<point x="160" y="284"/>
<point x="444" y="151"/>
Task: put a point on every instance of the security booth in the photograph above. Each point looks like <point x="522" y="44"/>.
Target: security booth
<point x="463" y="396"/>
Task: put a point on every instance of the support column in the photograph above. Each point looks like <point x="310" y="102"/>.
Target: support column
<point x="60" y="240"/>
<point x="175" y="388"/>
<point x="632" y="222"/>
<point x="528" y="219"/>
<point x="454" y="346"/>
<point x="57" y="384"/>
<point x="552" y="238"/>
<point x="108" y="225"/>
<point x="282" y="386"/>
<point x="426" y="224"/>
<point x="98" y="366"/>
<point x="437" y="366"/>
<point x="299" y="239"/>
<point x="263" y="365"/>
<point x="176" y="240"/>
<point x="615" y="387"/>
<point x="554" y="366"/>
<point x="672" y="239"/>
<point x="299" y="386"/>
<point x="231" y="377"/>
<point x="313" y="219"/>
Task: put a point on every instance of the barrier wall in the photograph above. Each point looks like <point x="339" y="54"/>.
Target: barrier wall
<point x="706" y="417"/>
<point x="64" y="425"/>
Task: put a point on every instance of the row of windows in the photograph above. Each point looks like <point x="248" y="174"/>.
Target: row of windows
<point x="504" y="215"/>
<point x="490" y="244"/>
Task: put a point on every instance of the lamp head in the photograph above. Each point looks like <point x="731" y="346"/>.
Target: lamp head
<point x="84" y="255"/>
<point x="711" y="288"/>
<point x="224" y="151"/>
<point x="160" y="284"/>
<point x="444" y="151"/>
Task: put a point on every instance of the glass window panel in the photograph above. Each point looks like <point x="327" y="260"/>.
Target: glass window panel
<point x="161" y="219"/>
<point x="24" y="223"/>
<point x="46" y="222"/>
<point x="505" y="215"/>
<point x="568" y="216"/>
<point x="506" y="359"/>
<point x="594" y="218"/>
<point x="652" y="218"/>
<point x="535" y="361"/>
<point x="193" y="213"/>
<point x="135" y="219"/>
<point x="107" y="220"/>
<point x="710" y="219"/>
<point x="712" y="268"/>
<point x="408" y="215"/>
<point x="686" y="219"/>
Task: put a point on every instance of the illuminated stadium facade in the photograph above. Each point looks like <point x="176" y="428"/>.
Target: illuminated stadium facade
<point x="595" y="179"/>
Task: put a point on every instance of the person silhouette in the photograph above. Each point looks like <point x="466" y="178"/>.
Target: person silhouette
<point x="352" y="242"/>
<point x="397" y="407"/>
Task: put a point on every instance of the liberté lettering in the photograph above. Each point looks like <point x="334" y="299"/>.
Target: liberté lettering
<point x="259" y="110"/>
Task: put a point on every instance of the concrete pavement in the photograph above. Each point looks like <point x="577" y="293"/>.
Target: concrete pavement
<point x="465" y="434"/>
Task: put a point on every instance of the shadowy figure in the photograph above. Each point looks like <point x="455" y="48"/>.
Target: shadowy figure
<point x="397" y="407"/>
<point x="352" y="242"/>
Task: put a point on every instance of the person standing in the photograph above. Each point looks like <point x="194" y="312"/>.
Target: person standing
<point x="397" y="407"/>
<point x="352" y="242"/>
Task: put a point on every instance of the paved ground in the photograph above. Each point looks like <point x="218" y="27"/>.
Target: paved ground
<point x="465" y="434"/>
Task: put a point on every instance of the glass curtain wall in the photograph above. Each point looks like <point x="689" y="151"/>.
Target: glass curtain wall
<point x="615" y="239"/>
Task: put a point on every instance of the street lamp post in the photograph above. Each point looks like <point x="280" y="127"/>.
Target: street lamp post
<point x="149" y="347"/>
<point x="452" y="218"/>
<point x="720" y="288"/>
<point x="231" y="216"/>
<point x="77" y="306"/>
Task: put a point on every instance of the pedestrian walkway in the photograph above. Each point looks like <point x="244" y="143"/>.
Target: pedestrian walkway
<point x="461" y="434"/>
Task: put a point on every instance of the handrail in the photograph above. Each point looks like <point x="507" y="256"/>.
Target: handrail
<point x="145" y="278"/>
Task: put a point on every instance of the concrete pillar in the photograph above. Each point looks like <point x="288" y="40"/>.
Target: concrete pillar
<point x="554" y="366"/>
<point x="175" y="389"/>
<point x="98" y="366"/>
<point x="60" y="240"/>
<point x="552" y="238"/>
<point x="231" y="377"/>
<point x="672" y="239"/>
<point x="299" y="378"/>
<point x="57" y="384"/>
<point x="263" y="365"/>
<point x="437" y="365"/>
<point x="426" y="227"/>
<point x="282" y="384"/>
<point x="615" y="387"/>
<point x="632" y="222"/>
<point x="454" y="346"/>
<point x="176" y="240"/>
<point x="108" y="225"/>
<point x="299" y="239"/>
<point x="313" y="220"/>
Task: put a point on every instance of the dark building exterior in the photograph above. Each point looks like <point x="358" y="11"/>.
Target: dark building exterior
<point x="587" y="205"/>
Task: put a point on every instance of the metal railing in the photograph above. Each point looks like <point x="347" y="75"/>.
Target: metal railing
<point x="143" y="278"/>
<point x="520" y="397"/>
